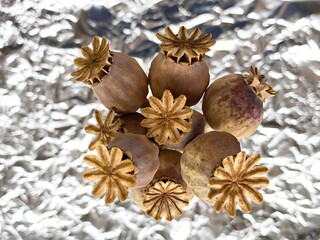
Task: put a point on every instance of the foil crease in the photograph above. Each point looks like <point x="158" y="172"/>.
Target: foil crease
<point x="43" y="112"/>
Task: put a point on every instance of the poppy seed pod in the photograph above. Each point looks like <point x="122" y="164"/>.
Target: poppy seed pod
<point x="105" y="130"/>
<point x="117" y="79"/>
<point x="143" y="153"/>
<point x="201" y="156"/>
<point x="115" y="172"/>
<point x="236" y="181"/>
<point x="166" y="117"/>
<point x="180" y="66"/>
<point x="167" y="193"/>
<point x="234" y="103"/>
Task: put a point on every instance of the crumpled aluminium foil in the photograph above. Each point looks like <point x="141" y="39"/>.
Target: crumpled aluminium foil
<point x="43" y="113"/>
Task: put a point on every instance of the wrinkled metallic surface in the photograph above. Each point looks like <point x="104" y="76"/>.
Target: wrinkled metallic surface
<point x="43" y="112"/>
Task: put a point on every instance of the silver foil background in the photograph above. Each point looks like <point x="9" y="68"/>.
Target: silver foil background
<point x="43" y="112"/>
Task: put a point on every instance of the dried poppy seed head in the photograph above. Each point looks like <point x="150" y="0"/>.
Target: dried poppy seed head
<point x="180" y="65"/>
<point x="235" y="181"/>
<point x="105" y="130"/>
<point x="95" y="64"/>
<point x="167" y="193"/>
<point x="167" y="119"/>
<point x="165" y="199"/>
<point x="144" y="155"/>
<point x="184" y="48"/>
<point x="115" y="174"/>
<point x="201" y="155"/>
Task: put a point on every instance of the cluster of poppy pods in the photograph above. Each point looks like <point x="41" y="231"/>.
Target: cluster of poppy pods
<point x="160" y="149"/>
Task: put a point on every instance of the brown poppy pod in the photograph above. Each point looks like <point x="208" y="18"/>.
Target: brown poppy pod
<point x="179" y="78"/>
<point x="114" y="171"/>
<point x="143" y="153"/>
<point x="234" y="103"/>
<point x="167" y="193"/>
<point x="235" y="181"/>
<point x="125" y="88"/>
<point x="117" y="79"/>
<point x="180" y="66"/>
<point x="164" y="113"/>
<point x="200" y="158"/>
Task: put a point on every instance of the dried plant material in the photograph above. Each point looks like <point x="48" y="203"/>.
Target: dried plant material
<point x="236" y="181"/>
<point x="166" y="117"/>
<point x="165" y="199"/>
<point x="183" y="48"/>
<point x="95" y="64"/>
<point x="114" y="174"/>
<point x="256" y="81"/>
<point x="105" y="130"/>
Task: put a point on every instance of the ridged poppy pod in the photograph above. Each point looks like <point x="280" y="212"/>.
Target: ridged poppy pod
<point x="105" y="130"/>
<point x="143" y="153"/>
<point x="234" y="103"/>
<point x="117" y="79"/>
<point x="198" y="122"/>
<point x="180" y="66"/>
<point x="167" y="193"/>
<point x="201" y="156"/>
<point x="115" y="171"/>
<point x="167" y="119"/>
<point x="235" y="181"/>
